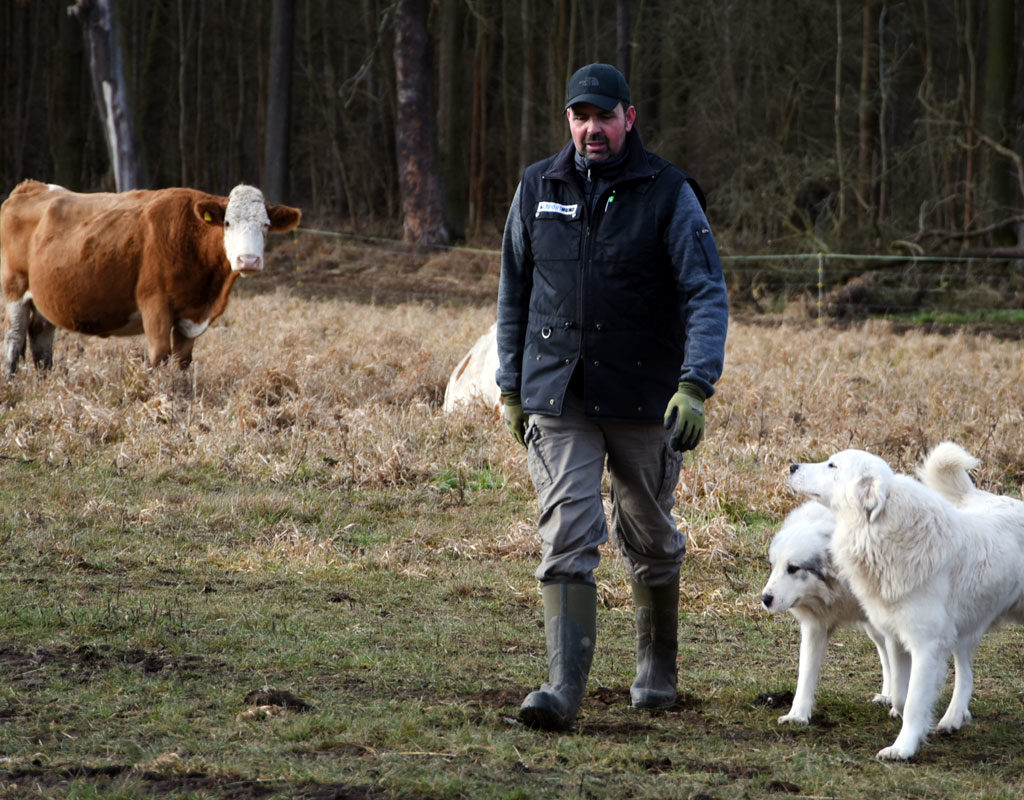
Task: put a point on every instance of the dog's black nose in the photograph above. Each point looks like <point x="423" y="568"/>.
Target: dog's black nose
<point x="767" y="599"/>
<point x="793" y="468"/>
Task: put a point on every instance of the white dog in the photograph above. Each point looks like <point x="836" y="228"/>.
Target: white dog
<point x="931" y="576"/>
<point x="805" y="583"/>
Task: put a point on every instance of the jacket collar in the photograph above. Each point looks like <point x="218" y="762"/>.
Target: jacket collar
<point x="637" y="164"/>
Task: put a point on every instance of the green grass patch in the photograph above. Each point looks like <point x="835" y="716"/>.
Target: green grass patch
<point x="138" y="622"/>
<point x="1010" y="317"/>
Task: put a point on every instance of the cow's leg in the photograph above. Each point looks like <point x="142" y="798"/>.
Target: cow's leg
<point x="40" y="337"/>
<point x="157" y="322"/>
<point x="181" y="347"/>
<point x="14" y="343"/>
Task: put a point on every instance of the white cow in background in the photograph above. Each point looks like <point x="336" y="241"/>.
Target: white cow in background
<point x="472" y="381"/>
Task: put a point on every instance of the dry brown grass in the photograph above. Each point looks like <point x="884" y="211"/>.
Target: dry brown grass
<point x="351" y="393"/>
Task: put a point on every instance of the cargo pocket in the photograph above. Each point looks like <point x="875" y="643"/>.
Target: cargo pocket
<point x="671" y="464"/>
<point x="536" y="462"/>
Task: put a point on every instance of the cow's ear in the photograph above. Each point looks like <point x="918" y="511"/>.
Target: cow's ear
<point x="210" y="211"/>
<point x="283" y="218"/>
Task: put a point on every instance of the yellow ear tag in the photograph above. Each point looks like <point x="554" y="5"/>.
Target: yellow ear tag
<point x="207" y="217"/>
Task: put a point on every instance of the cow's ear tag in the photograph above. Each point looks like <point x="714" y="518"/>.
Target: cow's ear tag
<point x="207" y="217"/>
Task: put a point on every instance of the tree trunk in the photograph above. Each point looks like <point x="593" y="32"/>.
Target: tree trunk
<point x="1000" y="69"/>
<point x="971" y="117"/>
<point x="99" y="23"/>
<point x="837" y="121"/>
<point x="415" y="128"/>
<point x="478" y="130"/>
<point x="279" y="102"/>
<point x="883" y="114"/>
<point x="528" y="108"/>
<point x="622" y="37"/>
<point x="72" y="112"/>
<point x="864" y="125"/>
<point x="184" y="38"/>
<point x="453" y="114"/>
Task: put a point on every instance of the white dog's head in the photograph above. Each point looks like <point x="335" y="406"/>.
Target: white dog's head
<point x="802" y="568"/>
<point x="849" y="480"/>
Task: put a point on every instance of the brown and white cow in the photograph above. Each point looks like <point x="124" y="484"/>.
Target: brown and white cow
<point x="158" y="262"/>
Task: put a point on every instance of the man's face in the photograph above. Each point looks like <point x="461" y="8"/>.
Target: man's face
<point x="598" y="134"/>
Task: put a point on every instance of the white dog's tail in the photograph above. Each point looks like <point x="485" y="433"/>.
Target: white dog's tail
<point x="945" y="470"/>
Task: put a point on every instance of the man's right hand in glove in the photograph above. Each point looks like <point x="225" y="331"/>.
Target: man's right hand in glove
<point x="515" y="419"/>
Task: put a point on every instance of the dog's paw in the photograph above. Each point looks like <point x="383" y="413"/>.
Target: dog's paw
<point x="894" y="712"/>
<point x="951" y="723"/>
<point x="793" y="718"/>
<point x="894" y="753"/>
<point x="882" y="700"/>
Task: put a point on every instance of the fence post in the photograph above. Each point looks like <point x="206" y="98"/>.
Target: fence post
<point x="821" y="284"/>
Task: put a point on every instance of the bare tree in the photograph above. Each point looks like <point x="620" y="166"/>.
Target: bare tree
<point x="415" y="128"/>
<point x="837" y="119"/>
<point x="99" y="21"/>
<point x="279" y="100"/>
<point x="864" y="115"/>
<point x="527" y="105"/>
<point x="622" y="37"/>
<point x="1000" y="71"/>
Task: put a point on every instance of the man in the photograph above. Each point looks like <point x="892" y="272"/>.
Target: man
<point x="612" y="317"/>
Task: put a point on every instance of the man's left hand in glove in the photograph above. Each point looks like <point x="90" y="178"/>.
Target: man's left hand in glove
<point x="684" y="417"/>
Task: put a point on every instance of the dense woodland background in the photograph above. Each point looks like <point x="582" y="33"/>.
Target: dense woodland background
<point x="867" y="125"/>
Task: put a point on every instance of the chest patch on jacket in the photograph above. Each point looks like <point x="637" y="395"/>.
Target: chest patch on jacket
<point x="545" y="208"/>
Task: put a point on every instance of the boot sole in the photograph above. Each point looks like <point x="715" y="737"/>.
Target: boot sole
<point x="652" y="700"/>
<point x="537" y="712"/>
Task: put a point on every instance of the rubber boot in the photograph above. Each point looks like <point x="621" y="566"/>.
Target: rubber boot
<point x="570" y="627"/>
<point x="657" y="621"/>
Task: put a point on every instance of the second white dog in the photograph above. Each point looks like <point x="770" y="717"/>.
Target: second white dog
<point x="805" y="583"/>
<point x="931" y="576"/>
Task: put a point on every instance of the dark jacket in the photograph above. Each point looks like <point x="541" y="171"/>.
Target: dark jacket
<point x="631" y="290"/>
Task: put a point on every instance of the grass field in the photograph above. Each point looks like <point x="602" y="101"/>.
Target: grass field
<point x="284" y="573"/>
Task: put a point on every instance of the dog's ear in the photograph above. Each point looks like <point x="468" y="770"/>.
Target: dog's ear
<point x="870" y="494"/>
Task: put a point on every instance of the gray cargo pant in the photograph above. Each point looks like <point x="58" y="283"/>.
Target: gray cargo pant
<point x="566" y="461"/>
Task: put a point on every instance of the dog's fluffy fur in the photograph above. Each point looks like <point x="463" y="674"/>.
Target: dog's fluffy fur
<point x="804" y="582"/>
<point x="933" y="570"/>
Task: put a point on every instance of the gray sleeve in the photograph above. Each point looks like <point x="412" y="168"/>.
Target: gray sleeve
<point x="704" y="301"/>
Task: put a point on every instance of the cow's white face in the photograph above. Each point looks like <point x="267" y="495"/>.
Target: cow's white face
<point x="245" y="229"/>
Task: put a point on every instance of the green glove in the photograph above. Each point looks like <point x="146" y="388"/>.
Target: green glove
<point x="515" y="419"/>
<point x="684" y="416"/>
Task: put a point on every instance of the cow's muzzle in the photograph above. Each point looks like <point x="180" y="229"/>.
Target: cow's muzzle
<point x="248" y="264"/>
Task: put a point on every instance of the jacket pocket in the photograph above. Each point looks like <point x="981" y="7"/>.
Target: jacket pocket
<point x="706" y="244"/>
<point x="556" y="238"/>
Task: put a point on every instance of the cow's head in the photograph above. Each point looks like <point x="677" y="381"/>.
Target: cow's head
<point x="246" y="218"/>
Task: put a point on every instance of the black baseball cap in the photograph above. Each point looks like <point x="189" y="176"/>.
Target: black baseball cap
<point x="598" y="84"/>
